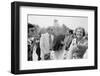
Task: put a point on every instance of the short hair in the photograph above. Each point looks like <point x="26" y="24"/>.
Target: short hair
<point x="81" y="29"/>
<point x="50" y="30"/>
<point x="58" y="43"/>
<point x="30" y="26"/>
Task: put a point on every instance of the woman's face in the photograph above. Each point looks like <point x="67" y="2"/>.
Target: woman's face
<point x="79" y="33"/>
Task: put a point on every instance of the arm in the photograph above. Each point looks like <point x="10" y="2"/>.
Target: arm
<point x="83" y="45"/>
<point x="72" y="48"/>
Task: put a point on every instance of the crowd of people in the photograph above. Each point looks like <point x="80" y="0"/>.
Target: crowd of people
<point x="56" y="43"/>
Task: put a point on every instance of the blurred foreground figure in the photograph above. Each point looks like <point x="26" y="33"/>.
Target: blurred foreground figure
<point x="58" y="53"/>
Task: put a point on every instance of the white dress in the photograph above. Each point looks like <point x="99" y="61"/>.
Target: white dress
<point x="35" y="56"/>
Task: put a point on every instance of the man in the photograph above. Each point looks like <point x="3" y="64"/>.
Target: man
<point x="30" y="41"/>
<point x="46" y="43"/>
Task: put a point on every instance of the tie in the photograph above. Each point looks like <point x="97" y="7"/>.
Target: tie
<point x="50" y="42"/>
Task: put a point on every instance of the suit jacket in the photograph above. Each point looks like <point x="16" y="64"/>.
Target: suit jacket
<point x="44" y="44"/>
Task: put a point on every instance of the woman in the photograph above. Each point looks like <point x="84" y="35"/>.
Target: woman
<point x="79" y="44"/>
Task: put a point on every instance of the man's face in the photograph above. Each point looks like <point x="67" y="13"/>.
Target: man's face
<point x="50" y="31"/>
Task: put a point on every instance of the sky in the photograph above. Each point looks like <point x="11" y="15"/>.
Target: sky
<point x="70" y="21"/>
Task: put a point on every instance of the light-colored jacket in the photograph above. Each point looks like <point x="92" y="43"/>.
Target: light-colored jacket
<point x="44" y="44"/>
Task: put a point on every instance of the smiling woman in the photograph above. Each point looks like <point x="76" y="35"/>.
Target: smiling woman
<point x="80" y="43"/>
<point x="79" y="32"/>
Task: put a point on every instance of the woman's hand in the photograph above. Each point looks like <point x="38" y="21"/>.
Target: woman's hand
<point x="73" y="45"/>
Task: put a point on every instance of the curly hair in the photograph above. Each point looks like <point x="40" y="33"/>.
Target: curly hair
<point x="81" y="29"/>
